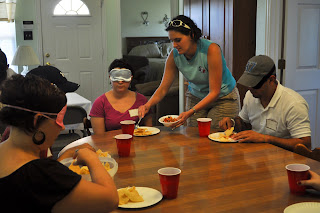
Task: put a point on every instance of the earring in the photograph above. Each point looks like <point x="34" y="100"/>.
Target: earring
<point x="36" y="135"/>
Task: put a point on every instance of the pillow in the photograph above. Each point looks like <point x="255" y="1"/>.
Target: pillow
<point x="147" y="50"/>
<point x="148" y="88"/>
<point x="166" y="49"/>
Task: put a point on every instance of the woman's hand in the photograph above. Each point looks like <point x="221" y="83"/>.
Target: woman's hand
<point x="143" y="110"/>
<point x="182" y="118"/>
<point x="85" y="156"/>
<point x="314" y="181"/>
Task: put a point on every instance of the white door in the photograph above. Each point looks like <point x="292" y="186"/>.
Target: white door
<point x="302" y="54"/>
<point x="73" y="42"/>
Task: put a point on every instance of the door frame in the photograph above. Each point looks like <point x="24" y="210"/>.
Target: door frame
<point x="272" y="45"/>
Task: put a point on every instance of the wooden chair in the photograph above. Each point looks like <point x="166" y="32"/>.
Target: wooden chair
<point x="87" y="126"/>
<point x="303" y="150"/>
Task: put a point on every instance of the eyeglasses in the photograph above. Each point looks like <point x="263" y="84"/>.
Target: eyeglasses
<point x="178" y="23"/>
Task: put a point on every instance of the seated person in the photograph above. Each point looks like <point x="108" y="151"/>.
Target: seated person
<point x="55" y="76"/>
<point x="271" y="113"/>
<point x="112" y="107"/>
<point x="34" y="108"/>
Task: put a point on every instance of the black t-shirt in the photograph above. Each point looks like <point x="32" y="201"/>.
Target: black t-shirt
<point x="36" y="186"/>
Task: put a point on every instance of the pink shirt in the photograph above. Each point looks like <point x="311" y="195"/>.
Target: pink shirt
<point x="103" y="109"/>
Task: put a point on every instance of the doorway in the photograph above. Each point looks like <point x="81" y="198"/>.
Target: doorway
<point x="72" y="42"/>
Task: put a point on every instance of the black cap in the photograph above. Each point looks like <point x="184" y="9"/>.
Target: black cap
<point x="55" y="76"/>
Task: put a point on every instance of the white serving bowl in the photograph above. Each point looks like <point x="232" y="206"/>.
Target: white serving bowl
<point x="168" y="124"/>
<point x="112" y="162"/>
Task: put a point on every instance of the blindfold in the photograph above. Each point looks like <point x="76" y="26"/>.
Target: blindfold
<point x="120" y="75"/>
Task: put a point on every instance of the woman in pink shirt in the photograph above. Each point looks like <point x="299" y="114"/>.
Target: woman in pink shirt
<point x="112" y="107"/>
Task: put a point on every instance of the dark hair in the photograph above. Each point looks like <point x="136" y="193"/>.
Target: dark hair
<point x="30" y="92"/>
<point x="195" y="33"/>
<point x="121" y="63"/>
<point x="3" y="58"/>
<point x="3" y="72"/>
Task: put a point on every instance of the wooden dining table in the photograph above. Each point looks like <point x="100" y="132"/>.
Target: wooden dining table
<point x="215" y="177"/>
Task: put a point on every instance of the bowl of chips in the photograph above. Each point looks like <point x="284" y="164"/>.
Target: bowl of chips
<point x="109" y="164"/>
<point x="168" y="120"/>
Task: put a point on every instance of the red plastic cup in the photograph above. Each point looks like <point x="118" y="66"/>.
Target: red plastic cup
<point x="123" y="144"/>
<point x="204" y="125"/>
<point x="127" y="126"/>
<point x="169" y="179"/>
<point x="297" y="172"/>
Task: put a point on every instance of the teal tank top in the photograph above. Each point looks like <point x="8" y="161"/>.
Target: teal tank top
<point x="196" y="71"/>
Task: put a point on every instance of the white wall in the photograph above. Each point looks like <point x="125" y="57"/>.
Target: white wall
<point x="131" y="21"/>
<point x="261" y="27"/>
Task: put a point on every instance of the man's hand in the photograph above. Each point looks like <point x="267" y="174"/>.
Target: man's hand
<point x="250" y="136"/>
<point x="225" y="123"/>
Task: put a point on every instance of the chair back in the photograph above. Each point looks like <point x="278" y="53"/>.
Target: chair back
<point x="304" y="151"/>
<point x="87" y="126"/>
<point x="74" y="115"/>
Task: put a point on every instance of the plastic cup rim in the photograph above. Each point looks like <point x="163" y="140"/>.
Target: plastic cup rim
<point x="305" y="167"/>
<point x="177" y="173"/>
<point x="126" y="122"/>
<point x="204" y="119"/>
<point x="123" y="136"/>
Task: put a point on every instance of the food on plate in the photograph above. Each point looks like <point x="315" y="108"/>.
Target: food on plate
<point x="225" y="136"/>
<point x="129" y="194"/>
<point x="170" y="119"/>
<point x="101" y="153"/>
<point x="229" y="132"/>
<point x="84" y="170"/>
<point x="141" y="132"/>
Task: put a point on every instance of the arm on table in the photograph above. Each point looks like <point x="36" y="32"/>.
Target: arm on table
<point x="98" y="125"/>
<point x="100" y="195"/>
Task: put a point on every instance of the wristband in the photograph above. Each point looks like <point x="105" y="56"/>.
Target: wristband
<point x="194" y="110"/>
<point x="233" y="121"/>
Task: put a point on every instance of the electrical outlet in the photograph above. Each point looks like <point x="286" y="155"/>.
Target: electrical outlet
<point x="27" y="35"/>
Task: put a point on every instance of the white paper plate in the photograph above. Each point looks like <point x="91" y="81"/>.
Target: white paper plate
<point x="304" y="207"/>
<point x="150" y="196"/>
<point x="153" y="131"/>
<point x="112" y="162"/>
<point x="216" y="136"/>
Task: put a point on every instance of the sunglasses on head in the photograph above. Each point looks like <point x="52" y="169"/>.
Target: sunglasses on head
<point x="264" y="79"/>
<point x="178" y="23"/>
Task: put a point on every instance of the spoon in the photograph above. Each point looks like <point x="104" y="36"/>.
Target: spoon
<point x="137" y="125"/>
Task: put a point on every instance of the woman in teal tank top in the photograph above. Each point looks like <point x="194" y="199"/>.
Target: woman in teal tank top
<point x="211" y="90"/>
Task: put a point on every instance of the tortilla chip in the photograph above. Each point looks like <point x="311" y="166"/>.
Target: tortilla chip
<point x="229" y="132"/>
<point x="101" y="153"/>
<point x="129" y="194"/>
<point x="123" y="199"/>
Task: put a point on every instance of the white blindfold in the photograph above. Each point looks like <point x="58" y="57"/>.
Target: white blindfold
<point x="120" y="75"/>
